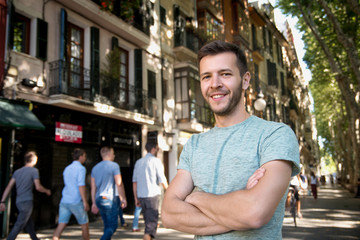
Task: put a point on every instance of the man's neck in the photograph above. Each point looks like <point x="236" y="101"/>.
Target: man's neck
<point x="232" y="119"/>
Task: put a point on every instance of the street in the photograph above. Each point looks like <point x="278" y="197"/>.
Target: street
<point x="334" y="215"/>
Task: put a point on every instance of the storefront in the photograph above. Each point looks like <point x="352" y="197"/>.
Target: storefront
<point x="65" y="130"/>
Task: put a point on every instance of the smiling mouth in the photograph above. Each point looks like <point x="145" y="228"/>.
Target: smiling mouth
<point x="217" y="96"/>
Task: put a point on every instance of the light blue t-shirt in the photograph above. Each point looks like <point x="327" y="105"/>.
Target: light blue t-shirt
<point x="148" y="174"/>
<point x="222" y="160"/>
<point x="104" y="173"/>
<point x="74" y="177"/>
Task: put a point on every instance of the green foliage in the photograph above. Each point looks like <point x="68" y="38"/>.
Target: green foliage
<point x="332" y="118"/>
<point x="111" y="69"/>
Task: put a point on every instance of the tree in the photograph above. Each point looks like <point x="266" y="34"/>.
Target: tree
<point x="331" y="33"/>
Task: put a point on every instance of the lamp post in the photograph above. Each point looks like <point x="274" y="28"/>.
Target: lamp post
<point x="260" y="103"/>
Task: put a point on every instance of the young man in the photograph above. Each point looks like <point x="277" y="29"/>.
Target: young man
<point x="73" y="199"/>
<point x="147" y="176"/>
<point x="24" y="178"/>
<point x="218" y="163"/>
<point x="107" y="191"/>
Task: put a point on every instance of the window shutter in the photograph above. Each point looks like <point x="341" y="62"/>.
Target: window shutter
<point x="138" y="78"/>
<point x="41" y="39"/>
<point x="95" y="62"/>
<point x="11" y="25"/>
<point x="63" y="43"/>
<point x="114" y="43"/>
<point x="63" y="31"/>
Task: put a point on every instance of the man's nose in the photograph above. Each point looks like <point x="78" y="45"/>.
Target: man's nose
<point x="216" y="81"/>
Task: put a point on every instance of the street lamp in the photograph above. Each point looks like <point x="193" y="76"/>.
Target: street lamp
<point x="260" y="103"/>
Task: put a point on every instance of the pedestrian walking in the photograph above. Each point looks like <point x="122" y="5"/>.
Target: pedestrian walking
<point x="24" y="179"/>
<point x="314" y="183"/>
<point x="135" y="224"/>
<point x="147" y="176"/>
<point x="219" y="162"/>
<point x="107" y="191"/>
<point x="73" y="201"/>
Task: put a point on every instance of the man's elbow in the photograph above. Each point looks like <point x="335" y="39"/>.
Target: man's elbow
<point x="166" y="218"/>
<point x="255" y="219"/>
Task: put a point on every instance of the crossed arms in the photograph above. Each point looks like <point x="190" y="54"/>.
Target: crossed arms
<point x="203" y="213"/>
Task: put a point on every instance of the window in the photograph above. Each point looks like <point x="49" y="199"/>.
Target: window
<point x="270" y="43"/>
<point x="151" y="84"/>
<point x="124" y="79"/>
<point x="210" y="25"/>
<point x="162" y="15"/>
<point x="75" y="50"/>
<point x="42" y="32"/>
<point x="244" y="28"/>
<point x="190" y="105"/>
<point x="21" y="30"/>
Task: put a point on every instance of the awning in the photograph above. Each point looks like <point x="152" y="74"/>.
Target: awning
<point x="16" y="114"/>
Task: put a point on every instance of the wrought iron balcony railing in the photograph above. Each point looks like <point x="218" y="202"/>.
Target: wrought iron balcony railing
<point x="69" y="79"/>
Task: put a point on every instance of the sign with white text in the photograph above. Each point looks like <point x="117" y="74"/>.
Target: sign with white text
<point x="65" y="132"/>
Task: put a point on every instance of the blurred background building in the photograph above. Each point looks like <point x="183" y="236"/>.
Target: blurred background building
<point x="82" y="73"/>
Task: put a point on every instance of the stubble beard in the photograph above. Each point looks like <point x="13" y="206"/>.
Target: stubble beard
<point x="234" y="101"/>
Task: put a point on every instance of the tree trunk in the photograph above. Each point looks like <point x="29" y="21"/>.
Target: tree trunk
<point x="346" y="41"/>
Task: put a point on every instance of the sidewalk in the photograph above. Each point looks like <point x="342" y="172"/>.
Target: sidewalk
<point x="96" y="231"/>
<point x="334" y="215"/>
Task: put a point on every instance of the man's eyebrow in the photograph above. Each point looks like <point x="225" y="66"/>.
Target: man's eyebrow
<point x="221" y="70"/>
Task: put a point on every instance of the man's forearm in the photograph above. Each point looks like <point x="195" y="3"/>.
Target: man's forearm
<point x="82" y="193"/>
<point x="218" y="208"/>
<point x="182" y="216"/>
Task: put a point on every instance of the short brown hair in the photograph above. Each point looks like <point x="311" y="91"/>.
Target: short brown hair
<point x="150" y="145"/>
<point x="218" y="46"/>
<point x="105" y="151"/>
<point x="28" y="156"/>
<point x="77" y="153"/>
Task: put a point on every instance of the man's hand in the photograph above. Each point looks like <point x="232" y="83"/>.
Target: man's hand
<point x="123" y="203"/>
<point x="254" y="179"/>
<point x="94" y="209"/>
<point x="86" y="206"/>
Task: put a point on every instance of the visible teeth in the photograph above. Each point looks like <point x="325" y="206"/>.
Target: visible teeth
<point x="217" y="96"/>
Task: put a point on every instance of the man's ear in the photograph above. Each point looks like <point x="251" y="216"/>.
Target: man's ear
<point x="246" y="80"/>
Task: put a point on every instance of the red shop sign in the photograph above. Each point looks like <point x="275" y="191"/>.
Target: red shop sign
<point x="65" y="132"/>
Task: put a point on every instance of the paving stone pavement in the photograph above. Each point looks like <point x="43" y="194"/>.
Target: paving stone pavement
<point x="334" y="215"/>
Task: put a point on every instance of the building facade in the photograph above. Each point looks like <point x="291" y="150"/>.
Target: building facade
<point x="120" y="73"/>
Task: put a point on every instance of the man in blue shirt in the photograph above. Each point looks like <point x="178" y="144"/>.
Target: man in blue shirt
<point x="73" y="199"/>
<point x="147" y="177"/>
<point x="107" y="191"/>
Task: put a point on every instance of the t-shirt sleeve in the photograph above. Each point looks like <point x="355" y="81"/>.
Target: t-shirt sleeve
<point x="116" y="169"/>
<point x="81" y="177"/>
<point x="160" y="175"/>
<point x="134" y="178"/>
<point x="35" y="174"/>
<point x="186" y="155"/>
<point x="281" y="144"/>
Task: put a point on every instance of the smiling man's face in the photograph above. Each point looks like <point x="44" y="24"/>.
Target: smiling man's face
<point x="221" y="83"/>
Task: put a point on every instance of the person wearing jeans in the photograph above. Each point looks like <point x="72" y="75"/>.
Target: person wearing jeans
<point x="135" y="225"/>
<point x="109" y="214"/>
<point x="107" y="191"/>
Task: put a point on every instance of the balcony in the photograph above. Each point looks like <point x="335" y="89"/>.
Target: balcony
<point x="134" y="27"/>
<point x="75" y="81"/>
<point x="187" y="43"/>
<point x="258" y="52"/>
